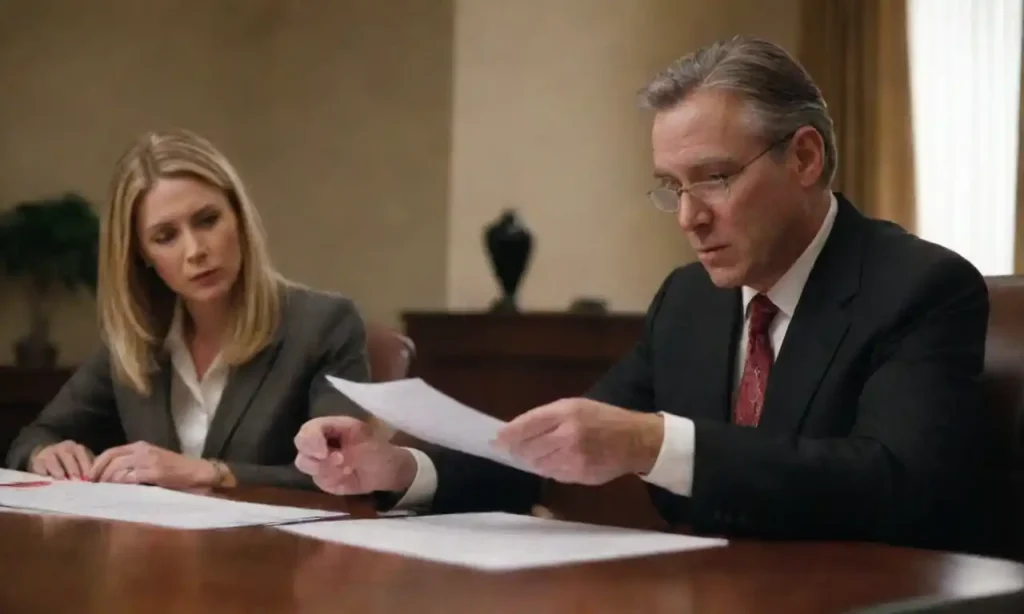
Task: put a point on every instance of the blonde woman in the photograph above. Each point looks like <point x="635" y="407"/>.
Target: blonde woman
<point x="211" y="361"/>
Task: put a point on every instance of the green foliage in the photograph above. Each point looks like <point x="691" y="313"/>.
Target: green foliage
<point x="51" y="241"/>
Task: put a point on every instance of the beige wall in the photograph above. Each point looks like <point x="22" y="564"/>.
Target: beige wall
<point x="337" y="114"/>
<point x="377" y="137"/>
<point x="546" y="121"/>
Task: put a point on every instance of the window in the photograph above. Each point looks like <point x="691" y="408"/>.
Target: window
<point x="965" y="90"/>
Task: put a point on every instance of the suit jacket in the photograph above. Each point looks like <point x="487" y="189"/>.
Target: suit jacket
<point x="265" y="401"/>
<point x="871" y="419"/>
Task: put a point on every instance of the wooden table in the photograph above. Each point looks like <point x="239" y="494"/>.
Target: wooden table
<point x="57" y="564"/>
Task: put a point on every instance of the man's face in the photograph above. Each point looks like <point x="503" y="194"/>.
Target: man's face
<point x="739" y="231"/>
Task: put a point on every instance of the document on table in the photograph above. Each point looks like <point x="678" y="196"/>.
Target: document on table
<point x="500" y="542"/>
<point x="10" y="476"/>
<point x="413" y="406"/>
<point x="151" y="505"/>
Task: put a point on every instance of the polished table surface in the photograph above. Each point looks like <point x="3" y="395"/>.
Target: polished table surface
<point x="63" y="564"/>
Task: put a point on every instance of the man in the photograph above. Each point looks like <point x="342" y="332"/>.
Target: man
<point x="813" y="375"/>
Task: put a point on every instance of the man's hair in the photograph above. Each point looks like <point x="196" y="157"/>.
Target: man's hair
<point x="779" y="92"/>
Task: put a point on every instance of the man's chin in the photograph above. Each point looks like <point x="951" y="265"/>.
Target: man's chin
<point x="724" y="277"/>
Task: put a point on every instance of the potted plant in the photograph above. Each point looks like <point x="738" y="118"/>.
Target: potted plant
<point x="51" y="244"/>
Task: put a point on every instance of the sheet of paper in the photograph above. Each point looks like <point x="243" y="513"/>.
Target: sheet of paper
<point x="413" y="406"/>
<point x="10" y="476"/>
<point x="500" y="542"/>
<point x="151" y="505"/>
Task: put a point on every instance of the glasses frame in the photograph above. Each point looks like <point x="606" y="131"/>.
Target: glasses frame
<point x="721" y="184"/>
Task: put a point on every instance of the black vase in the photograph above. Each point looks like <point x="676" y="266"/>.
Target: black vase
<point x="509" y="244"/>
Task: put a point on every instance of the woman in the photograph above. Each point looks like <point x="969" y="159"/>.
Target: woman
<point x="211" y="360"/>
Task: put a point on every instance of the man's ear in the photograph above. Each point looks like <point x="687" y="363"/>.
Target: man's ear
<point x="808" y="155"/>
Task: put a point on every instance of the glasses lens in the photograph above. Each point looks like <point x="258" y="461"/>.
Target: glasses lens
<point x="665" y="199"/>
<point x="711" y="192"/>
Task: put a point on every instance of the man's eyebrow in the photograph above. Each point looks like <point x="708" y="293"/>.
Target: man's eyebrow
<point x="701" y="166"/>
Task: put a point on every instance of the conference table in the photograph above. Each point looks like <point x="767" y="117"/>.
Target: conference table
<point x="53" y="563"/>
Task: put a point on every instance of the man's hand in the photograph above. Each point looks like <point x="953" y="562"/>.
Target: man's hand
<point x="62" y="461"/>
<point x="344" y="457"/>
<point x="144" y="463"/>
<point x="583" y="441"/>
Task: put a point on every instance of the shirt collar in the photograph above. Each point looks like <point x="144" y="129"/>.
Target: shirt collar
<point x="785" y="294"/>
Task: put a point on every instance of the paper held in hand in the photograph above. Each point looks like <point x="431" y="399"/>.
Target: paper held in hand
<point x="413" y="406"/>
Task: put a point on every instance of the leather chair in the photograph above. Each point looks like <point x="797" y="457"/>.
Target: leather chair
<point x="391" y="353"/>
<point x="1003" y="386"/>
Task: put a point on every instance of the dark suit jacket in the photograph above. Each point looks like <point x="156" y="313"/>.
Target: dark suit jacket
<point x="870" y="423"/>
<point x="264" y="404"/>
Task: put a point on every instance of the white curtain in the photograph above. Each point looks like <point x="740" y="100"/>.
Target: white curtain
<point x="965" y="99"/>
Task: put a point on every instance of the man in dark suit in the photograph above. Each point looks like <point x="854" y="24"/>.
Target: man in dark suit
<point x="813" y="375"/>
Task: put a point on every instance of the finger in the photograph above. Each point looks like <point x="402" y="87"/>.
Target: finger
<point x="122" y="476"/>
<point x="67" y="458"/>
<point x="84" y="458"/>
<point x="533" y="450"/>
<point x="556" y="465"/>
<point x="311" y="442"/>
<point x="52" y="466"/>
<point x="344" y="483"/>
<point x="533" y="423"/>
<point x="99" y="465"/>
<point x="308" y="465"/>
<point x="318" y="436"/>
<point x="144" y="475"/>
<point x="118" y="464"/>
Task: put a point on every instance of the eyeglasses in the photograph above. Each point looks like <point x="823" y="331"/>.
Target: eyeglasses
<point x="711" y="192"/>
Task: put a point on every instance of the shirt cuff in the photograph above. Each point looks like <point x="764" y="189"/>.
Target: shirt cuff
<point x="673" y="470"/>
<point x="424" y="485"/>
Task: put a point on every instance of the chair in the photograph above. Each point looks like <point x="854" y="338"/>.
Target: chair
<point x="391" y="353"/>
<point x="1003" y="387"/>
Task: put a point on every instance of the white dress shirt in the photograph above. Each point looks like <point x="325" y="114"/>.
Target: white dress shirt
<point x="193" y="401"/>
<point x="673" y="469"/>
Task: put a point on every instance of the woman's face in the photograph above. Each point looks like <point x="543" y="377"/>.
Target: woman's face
<point x="188" y="232"/>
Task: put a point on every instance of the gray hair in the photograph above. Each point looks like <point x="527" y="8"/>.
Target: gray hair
<point x="781" y="94"/>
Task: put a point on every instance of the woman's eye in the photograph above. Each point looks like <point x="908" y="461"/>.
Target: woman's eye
<point x="163" y="238"/>
<point x="208" y="220"/>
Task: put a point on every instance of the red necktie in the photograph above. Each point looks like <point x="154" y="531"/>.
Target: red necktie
<point x="750" y="396"/>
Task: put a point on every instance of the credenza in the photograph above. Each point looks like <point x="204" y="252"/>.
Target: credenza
<point x="506" y="363"/>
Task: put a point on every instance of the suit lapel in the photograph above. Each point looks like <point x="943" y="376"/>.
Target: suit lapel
<point x="156" y="409"/>
<point x="818" y="326"/>
<point x="244" y="382"/>
<point x="720" y="320"/>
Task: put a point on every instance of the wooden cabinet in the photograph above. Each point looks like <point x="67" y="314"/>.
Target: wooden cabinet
<point x="504" y="364"/>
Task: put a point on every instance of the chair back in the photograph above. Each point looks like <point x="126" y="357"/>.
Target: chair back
<point x="1003" y="389"/>
<point x="391" y="353"/>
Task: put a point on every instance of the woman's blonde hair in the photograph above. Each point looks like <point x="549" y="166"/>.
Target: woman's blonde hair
<point x="135" y="305"/>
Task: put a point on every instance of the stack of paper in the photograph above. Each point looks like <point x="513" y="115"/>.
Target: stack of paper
<point x="151" y="505"/>
<point x="10" y="476"/>
<point x="500" y="542"/>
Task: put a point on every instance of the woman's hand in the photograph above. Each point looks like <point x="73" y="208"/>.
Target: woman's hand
<point x="144" y="463"/>
<point x="62" y="461"/>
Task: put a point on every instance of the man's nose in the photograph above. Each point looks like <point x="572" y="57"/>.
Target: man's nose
<point x="692" y="213"/>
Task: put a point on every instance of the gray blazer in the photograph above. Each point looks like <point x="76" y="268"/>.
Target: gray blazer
<point x="264" y="404"/>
